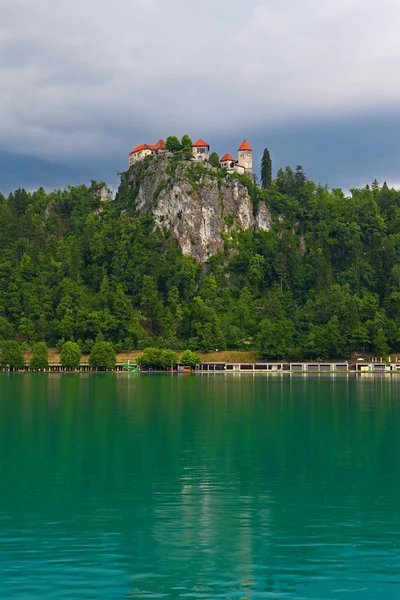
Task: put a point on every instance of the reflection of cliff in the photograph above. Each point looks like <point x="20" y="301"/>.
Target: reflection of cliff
<point x="211" y="528"/>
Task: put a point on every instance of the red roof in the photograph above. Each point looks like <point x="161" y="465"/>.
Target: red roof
<point x="200" y="143"/>
<point x="138" y="148"/>
<point x="227" y="157"/>
<point x="245" y="146"/>
<point x="159" y="146"/>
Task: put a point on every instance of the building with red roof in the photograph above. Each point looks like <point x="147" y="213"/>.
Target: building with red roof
<point x="243" y="165"/>
<point x="200" y="150"/>
<point x="246" y="158"/>
<point x="227" y="162"/>
<point x="245" y="146"/>
<point x="144" y="150"/>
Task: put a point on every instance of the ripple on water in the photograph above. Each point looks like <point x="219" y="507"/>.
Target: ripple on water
<point x="199" y="488"/>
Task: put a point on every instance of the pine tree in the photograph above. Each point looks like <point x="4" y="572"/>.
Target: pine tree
<point x="299" y="177"/>
<point x="375" y="185"/>
<point x="266" y="169"/>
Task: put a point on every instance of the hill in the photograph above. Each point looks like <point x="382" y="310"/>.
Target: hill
<point x="189" y="256"/>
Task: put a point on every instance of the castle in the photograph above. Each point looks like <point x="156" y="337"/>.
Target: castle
<point x="201" y="150"/>
<point x="243" y="165"/>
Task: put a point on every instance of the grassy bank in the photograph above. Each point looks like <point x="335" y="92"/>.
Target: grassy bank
<point x="234" y="357"/>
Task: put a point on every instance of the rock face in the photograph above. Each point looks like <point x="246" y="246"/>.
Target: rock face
<point x="105" y="194"/>
<point x="200" y="207"/>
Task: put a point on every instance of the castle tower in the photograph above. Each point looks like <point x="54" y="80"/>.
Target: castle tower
<point x="246" y="158"/>
<point x="201" y="150"/>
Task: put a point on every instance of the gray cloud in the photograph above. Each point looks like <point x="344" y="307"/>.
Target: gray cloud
<point x="89" y="77"/>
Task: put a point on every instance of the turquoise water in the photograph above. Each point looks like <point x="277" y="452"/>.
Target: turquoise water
<point x="129" y="486"/>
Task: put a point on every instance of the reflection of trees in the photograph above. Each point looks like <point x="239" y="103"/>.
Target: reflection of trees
<point x="194" y="476"/>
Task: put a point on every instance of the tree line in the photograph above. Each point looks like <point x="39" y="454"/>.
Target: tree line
<point x="102" y="356"/>
<point x="323" y="282"/>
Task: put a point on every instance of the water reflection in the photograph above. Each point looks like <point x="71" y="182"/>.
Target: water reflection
<point x="207" y="487"/>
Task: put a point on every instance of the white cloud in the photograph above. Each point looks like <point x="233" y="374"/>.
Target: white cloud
<point x="76" y="75"/>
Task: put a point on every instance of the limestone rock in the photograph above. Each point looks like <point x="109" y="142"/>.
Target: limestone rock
<point x="196" y="205"/>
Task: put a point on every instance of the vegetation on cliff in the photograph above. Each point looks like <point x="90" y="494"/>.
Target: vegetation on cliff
<point x="323" y="281"/>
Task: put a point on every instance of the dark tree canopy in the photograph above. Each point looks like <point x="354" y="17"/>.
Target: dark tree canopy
<point x="266" y="169"/>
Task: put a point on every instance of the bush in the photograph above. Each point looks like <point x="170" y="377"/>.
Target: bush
<point x="190" y="359"/>
<point x="40" y="357"/>
<point x="157" y="359"/>
<point x="70" y="355"/>
<point x="11" y="355"/>
<point x="103" y="356"/>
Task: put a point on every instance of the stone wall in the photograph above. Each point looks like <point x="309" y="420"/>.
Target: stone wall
<point x="246" y="160"/>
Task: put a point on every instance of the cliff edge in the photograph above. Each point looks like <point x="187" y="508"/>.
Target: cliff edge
<point x="199" y="204"/>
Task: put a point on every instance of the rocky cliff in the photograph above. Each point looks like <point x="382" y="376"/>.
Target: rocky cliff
<point x="199" y="204"/>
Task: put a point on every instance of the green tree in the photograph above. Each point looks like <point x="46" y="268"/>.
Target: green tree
<point x="380" y="344"/>
<point x="6" y="329"/>
<point x="275" y="339"/>
<point x="11" y="355"/>
<point x="151" y="358"/>
<point x="169" y="358"/>
<point x="190" y="359"/>
<point x="186" y="141"/>
<point x="214" y="160"/>
<point x="102" y="356"/>
<point x="40" y="357"/>
<point x="151" y="304"/>
<point x="70" y="355"/>
<point x="158" y="359"/>
<point x="285" y="181"/>
<point x="173" y="144"/>
<point x="318" y="343"/>
<point x="299" y="178"/>
<point x="187" y="150"/>
<point x="266" y="169"/>
<point x="360" y="337"/>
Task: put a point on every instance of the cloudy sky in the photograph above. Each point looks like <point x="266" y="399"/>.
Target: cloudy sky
<point x="82" y="82"/>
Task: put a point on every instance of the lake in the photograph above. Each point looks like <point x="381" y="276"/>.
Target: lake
<point x="214" y="486"/>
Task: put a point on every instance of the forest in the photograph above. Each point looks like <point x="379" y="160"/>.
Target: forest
<point x="324" y="282"/>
